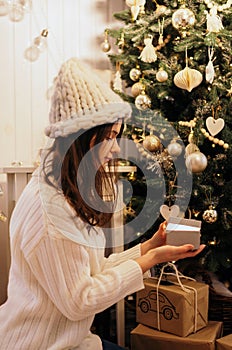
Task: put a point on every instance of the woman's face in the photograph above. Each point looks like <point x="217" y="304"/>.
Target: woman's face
<point x="109" y="147"/>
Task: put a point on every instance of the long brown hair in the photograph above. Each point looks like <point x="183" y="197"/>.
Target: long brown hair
<point x="74" y="180"/>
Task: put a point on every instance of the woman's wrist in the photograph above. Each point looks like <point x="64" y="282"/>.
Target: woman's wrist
<point x="146" y="262"/>
<point x="146" y="246"/>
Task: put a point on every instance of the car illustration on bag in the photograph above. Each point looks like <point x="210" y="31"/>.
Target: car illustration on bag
<point x="149" y="303"/>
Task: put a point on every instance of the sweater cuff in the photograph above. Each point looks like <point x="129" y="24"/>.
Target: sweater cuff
<point x="131" y="253"/>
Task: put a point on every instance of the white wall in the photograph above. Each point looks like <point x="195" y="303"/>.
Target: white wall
<point x="75" y="28"/>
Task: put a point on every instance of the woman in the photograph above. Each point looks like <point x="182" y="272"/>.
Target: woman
<point x="59" y="278"/>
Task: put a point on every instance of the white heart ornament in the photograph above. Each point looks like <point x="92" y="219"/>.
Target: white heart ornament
<point x="167" y="211"/>
<point x="214" y="126"/>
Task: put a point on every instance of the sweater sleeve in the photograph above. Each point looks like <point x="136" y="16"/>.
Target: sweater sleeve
<point x="63" y="268"/>
<point x="117" y="258"/>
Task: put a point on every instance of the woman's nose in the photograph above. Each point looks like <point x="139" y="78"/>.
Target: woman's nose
<point x="115" y="148"/>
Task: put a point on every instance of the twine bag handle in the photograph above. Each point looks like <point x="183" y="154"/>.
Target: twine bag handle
<point x="186" y="289"/>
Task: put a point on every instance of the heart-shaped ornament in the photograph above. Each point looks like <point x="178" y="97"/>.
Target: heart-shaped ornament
<point x="214" y="126"/>
<point x="167" y="211"/>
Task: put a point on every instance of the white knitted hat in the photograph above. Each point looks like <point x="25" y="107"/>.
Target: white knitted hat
<point x="81" y="101"/>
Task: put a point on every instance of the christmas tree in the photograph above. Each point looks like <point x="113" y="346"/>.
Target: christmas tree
<point x="173" y="63"/>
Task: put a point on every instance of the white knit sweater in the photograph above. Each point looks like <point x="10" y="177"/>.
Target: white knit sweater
<point x="59" y="277"/>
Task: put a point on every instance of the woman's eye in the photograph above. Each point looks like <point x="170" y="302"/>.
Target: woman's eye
<point x="109" y="139"/>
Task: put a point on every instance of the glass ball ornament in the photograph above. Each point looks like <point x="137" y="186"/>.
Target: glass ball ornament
<point x="210" y="215"/>
<point x="135" y="74"/>
<point x="152" y="143"/>
<point x="105" y="46"/>
<point x="174" y="149"/>
<point x="26" y="4"/>
<point x="32" y="53"/>
<point x="16" y="13"/>
<point x="137" y="89"/>
<point x="196" y="162"/>
<point x="4" y="8"/>
<point x="143" y="101"/>
<point x="161" y="75"/>
<point x="41" y="41"/>
<point x="183" y="18"/>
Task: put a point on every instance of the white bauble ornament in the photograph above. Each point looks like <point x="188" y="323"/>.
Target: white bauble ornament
<point x="196" y="162"/>
<point x="161" y="75"/>
<point x="16" y="13"/>
<point x="135" y="74"/>
<point x="32" y="53"/>
<point x="152" y="143"/>
<point x="174" y="149"/>
<point x="183" y="18"/>
<point x="4" y="7"/>
<point x="210" y="215"/>
<point x="143" y="101"/>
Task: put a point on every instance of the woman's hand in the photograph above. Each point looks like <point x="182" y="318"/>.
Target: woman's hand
<point x="167" y="253"/>
<point x="157" y="240"/>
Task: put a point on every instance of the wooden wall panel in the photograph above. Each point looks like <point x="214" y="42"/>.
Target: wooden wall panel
<point x="76" y="28"/>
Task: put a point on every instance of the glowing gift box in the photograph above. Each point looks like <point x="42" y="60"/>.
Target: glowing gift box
<point x="183" y="231"/>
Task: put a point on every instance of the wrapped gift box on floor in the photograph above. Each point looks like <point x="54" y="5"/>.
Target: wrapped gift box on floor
<point x="143" y="337"/>
<point x="180" y="312"/>
<point x="224" y="343"/>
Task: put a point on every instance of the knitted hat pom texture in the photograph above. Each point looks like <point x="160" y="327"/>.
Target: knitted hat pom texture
<point x="81" y="100"/>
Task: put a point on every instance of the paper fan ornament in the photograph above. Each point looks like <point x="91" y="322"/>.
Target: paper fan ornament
<point x="188" y="78"/>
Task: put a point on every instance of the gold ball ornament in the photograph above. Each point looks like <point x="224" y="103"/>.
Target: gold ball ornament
<point x="135" y="74"/>
<point x="160" y="10"/>
<point x="196" y="162"/>
<point x="183" y="18"/>
<point x="105" y="46"/>
<point x="152" y="143"/>
<point x="143" y="101"/>
<point x="191" y="148"/>
<point x="137" y="89"/>
<point x="161" y="75"/>
<point x="210" y="215"/>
